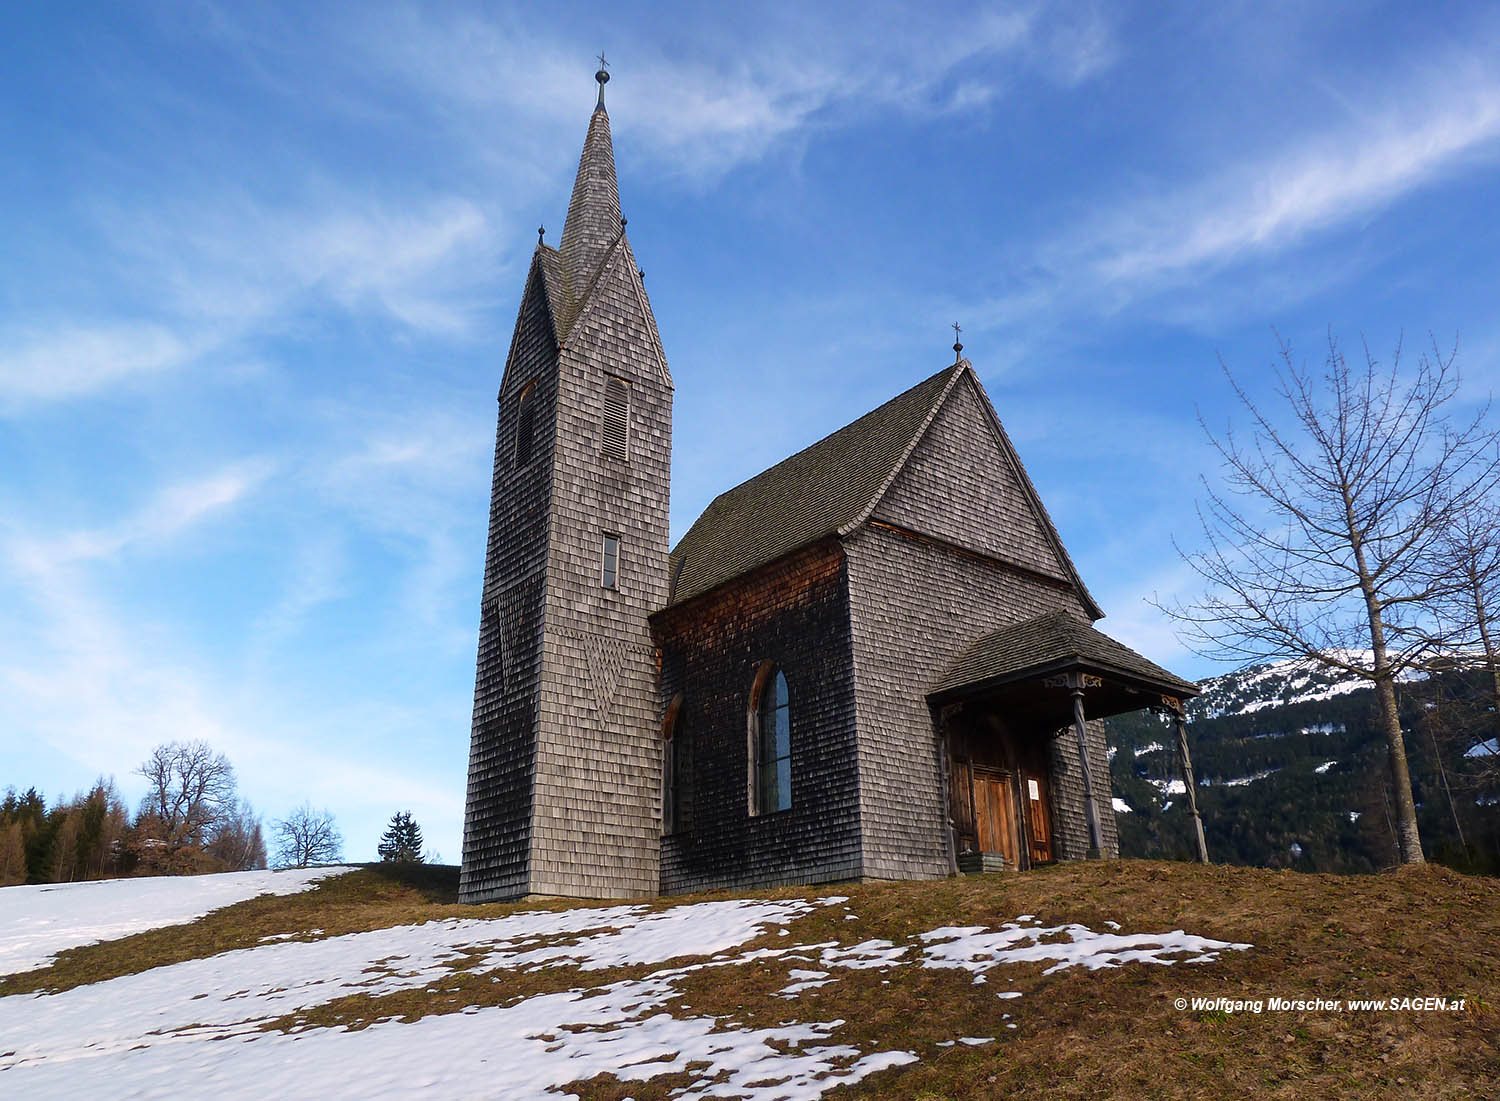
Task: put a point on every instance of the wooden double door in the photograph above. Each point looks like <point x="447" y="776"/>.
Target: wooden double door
<point x="999" y="801"/>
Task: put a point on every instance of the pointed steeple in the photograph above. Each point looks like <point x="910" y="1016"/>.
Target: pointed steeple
<point x="594" y="212"/>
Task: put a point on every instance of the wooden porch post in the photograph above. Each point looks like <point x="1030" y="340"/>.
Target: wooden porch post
<point x="944" y="765"/>
<point x="1090" y="807"/>
<point x="1185" y="763"/>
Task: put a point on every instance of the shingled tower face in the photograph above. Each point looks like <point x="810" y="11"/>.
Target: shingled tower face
<point x="564" y="789"/>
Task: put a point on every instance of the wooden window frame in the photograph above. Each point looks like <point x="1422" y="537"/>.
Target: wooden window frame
<point x="766" y="677"/>
<point x="609" y="572"/>
<point x="673" y="818"/>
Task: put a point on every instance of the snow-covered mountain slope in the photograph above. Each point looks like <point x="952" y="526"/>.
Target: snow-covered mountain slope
<point x="1275" y="684"/>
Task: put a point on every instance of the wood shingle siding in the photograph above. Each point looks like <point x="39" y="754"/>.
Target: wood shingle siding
<point x="565" y="777"/>
<point x="793" y="614"/>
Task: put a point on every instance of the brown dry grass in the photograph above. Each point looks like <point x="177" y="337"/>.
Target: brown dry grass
<point x="1079" y="1034"/>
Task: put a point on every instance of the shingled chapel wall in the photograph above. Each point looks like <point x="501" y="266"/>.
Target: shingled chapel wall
<point x="915" y="605"/>
<point x="794" y="614"/>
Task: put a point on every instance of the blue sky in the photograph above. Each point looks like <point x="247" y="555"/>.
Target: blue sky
<point x="259" y="266"/>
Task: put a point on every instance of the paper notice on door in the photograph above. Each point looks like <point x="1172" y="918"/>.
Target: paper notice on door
<point x="1034" y="791"/>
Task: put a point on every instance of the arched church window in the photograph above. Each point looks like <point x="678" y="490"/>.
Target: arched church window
<point x="772" y="741"/>
<point x="676" y="772"/>
<point x="525" y="424"/>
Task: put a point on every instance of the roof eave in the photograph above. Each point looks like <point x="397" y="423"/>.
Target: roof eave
<point x="1079" y="662"/>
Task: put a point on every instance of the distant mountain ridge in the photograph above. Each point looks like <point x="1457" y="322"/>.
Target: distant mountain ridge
<point x="1291" y="770"/>
<point x="1278" y="684"/>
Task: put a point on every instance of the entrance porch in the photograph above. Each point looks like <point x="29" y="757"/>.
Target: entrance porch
<point x="1026" y="768"/>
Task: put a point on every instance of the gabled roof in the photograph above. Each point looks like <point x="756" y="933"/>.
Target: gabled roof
<point x="831" y="488"/>
<point x="1047" y="643"/>
<point x="818" y="492"/>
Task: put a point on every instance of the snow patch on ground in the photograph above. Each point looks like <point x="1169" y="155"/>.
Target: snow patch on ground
<point x="38" y="922"/>
<point x="1169" y="787"/>
<point x="202" y="1021"/>
<point x="980" y="950"/>
<point x="1122" y="807"/>
<point x="1324" y="767"/>
<point x="1154" y="747"/>
<point x="1490" y="748"/>
<point x="142" y="1033"/>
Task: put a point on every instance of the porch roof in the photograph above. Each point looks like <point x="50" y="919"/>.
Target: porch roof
<point x="1057" y="642"/>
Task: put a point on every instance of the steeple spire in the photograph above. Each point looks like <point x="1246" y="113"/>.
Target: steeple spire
<point x="594" y="211"/>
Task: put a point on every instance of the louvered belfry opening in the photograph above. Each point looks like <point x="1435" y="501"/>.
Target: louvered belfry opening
<point x="525" y="424"/>
<point x="616" y="419"/>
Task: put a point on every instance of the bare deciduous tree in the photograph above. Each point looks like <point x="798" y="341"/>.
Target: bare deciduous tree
<point x="237" y="843"/>
<point x="307" y="837"/>
<point x="191" y="789"/>
<point x="1472" y="543"/>
<point x="1470" y="629"/>
<point x="1332" y="550"/>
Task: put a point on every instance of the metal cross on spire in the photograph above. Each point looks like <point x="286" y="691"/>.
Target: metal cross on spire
<point x="602" y="76"/>
<point x="958" y="348"/>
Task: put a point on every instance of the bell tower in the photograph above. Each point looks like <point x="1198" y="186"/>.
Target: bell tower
<point x="564" y="792"/>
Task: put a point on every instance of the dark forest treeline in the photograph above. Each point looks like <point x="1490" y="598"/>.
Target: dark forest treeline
<point x="1338" y="820"/>
<point x="94" y="836"/>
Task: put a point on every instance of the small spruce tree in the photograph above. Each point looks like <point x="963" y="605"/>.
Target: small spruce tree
<point x="402" y="841"/>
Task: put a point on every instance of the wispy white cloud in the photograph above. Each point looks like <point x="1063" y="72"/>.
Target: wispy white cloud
<point x="220" y="270"/>
<point x="1329" y="180"/>
<point x="1258" y="208"/>
<point x="99" y="680"/>
<point x="748" y="82"/>
<point x="232" y="261"/>
<point x="72" y="359"/>
<point x="417" y="478"/>
<point x="170" y="513"/>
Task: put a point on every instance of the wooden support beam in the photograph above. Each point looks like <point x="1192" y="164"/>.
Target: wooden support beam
<point x="1090" y="807"/>
<point x="1185" y="763"/>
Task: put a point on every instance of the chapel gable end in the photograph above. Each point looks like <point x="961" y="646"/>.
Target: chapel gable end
<point x="964" y="484"/>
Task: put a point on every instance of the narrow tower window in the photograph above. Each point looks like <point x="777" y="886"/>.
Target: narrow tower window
<point x="525" y="424"/>
<point x="773" y="742"/>
<point x="610" y="575"/>
<point x="616" y="419"/>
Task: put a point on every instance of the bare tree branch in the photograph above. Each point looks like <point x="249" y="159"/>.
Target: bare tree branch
<point x="1333" y="541"/>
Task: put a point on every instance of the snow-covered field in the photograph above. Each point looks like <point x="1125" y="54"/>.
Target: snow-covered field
<point x="38" y="922"/>
<point x="200" y="1025"/>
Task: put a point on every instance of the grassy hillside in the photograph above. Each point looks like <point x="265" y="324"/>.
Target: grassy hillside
<point x="1077" y="1032"/>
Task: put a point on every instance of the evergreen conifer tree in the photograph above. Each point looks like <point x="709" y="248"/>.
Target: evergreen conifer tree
<point x="402" y="840"/>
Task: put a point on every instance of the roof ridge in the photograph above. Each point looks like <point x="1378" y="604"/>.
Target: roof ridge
<point x="561" y="318"/>
<point x="587" y="304"/>
<point x="810" y="495"/>
<point x="843" y="428"/>
<point x="958" y="370"/>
